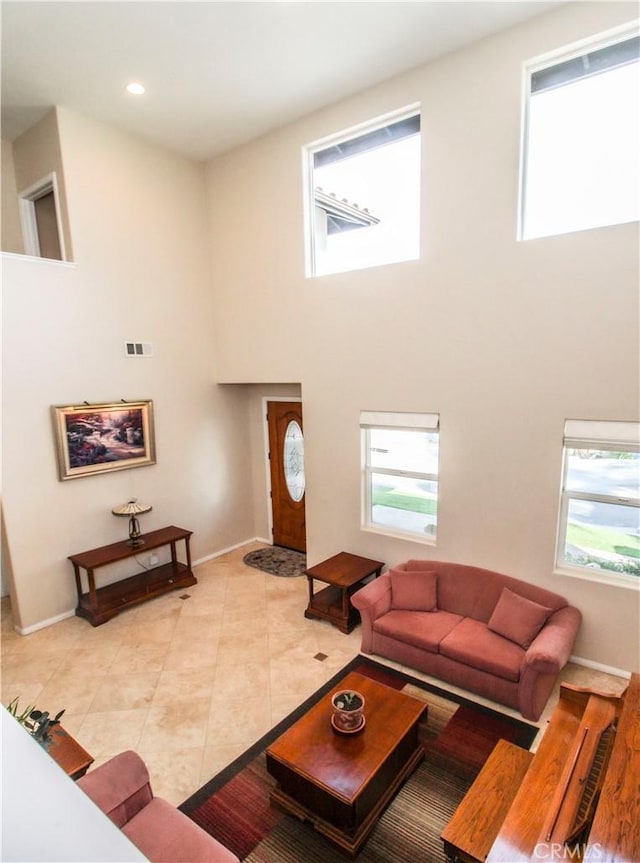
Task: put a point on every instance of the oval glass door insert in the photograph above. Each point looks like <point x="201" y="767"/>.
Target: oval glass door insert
<point x="293" y="461"/>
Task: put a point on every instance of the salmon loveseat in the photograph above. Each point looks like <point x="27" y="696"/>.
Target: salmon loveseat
<point x="122" y="789"/>
<point x="490" y="633"/>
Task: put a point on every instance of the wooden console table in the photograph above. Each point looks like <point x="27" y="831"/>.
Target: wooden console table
<point x="97" y="605"/>
<point x="344" y="573"/>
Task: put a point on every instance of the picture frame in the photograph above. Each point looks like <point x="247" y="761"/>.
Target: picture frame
<point x="100" y="438"/>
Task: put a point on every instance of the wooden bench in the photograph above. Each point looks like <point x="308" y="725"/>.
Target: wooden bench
<point x="469" y="835"/>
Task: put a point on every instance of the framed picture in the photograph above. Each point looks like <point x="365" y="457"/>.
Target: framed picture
<point x="96" y="438"/>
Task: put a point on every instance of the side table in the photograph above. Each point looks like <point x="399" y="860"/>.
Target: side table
<point x="67" y="753"/>
<point x="344" y="573"/>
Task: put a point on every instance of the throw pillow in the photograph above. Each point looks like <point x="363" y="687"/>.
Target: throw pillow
<point x="413" y="591"/>
<point x="517" y="618"/>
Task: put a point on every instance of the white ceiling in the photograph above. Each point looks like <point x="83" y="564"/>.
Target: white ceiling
<point x="220" y="73"/>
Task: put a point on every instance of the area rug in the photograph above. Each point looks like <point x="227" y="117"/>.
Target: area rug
<point x="458" y="736"/>
<point x="277" y="561"/>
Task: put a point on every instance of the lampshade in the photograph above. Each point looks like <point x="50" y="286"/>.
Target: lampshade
<point x="132" y="509"/>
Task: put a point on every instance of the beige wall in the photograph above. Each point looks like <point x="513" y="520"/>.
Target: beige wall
<point x="11" y="236"/>
<point x="503" y="339"/>
<point x="141" y="273"/>
<point x="36" y="154"/>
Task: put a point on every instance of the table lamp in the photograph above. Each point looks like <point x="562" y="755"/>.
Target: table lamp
<point x="132" y="509"/>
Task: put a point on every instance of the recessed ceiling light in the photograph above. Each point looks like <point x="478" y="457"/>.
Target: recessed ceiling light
<point x="135" y="89"/>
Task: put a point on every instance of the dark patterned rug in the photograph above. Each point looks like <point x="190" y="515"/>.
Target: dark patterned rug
<point x="277" y="561"/>
<point x="458" y="736"/>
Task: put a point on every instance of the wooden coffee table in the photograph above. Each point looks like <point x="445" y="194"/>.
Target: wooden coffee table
<point x="339" y="782"/>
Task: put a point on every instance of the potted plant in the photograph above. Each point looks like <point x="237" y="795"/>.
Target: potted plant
<point x="348" y="707"/>
<point x="35" y="721"/>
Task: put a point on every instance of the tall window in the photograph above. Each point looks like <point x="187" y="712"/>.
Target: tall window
<point x="599" y="528"/>
<point x="581" y="159"/>
<point x="364" y="197"/>
<point x="400" y="473"/>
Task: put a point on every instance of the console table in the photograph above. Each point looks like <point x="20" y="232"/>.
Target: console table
<point x="97" y="605"/>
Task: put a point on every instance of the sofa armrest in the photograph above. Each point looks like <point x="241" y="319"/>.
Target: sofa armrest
<point x="120" y="787"/>
<point x="372" y="601"/>
<point x="548" y="654"/>
<point x="551" y="648"/>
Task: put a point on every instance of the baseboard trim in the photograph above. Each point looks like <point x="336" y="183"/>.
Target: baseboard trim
<point x="27" y="630"/>
<point x="229" y="549"/>
<point x="599" y="666"/>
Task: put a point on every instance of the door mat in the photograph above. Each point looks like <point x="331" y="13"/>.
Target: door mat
<point x="277" y="561"/>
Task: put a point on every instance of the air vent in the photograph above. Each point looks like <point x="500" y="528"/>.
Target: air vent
<point x="138" y="349"/>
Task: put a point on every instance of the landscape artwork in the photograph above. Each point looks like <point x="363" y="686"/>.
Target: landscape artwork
<point x="96" y="438"/>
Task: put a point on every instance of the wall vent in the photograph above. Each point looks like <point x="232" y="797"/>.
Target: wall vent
<point x="138" y="349"/>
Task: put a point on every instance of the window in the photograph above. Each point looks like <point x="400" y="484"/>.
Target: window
<point x="599" y="529"/>
<point x="581" y="162"/>
<point x="400" y="473"/>
<point x="364" y="197"/>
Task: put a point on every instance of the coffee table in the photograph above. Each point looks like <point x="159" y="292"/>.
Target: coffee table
<point x="341" y="783"/>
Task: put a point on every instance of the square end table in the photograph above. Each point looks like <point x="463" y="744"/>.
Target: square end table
<point x="344" y="573"/>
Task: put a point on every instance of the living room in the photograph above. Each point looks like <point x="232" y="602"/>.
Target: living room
<point x="205" y="259"/>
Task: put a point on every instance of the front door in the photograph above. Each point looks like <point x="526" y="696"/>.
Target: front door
<point x="286" y="459"/>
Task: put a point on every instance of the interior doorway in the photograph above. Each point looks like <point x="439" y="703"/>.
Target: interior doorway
<point x="286" y="468"/>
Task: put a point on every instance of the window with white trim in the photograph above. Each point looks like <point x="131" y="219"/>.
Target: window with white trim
<point x="581" y="141"/>
<point x="363" y="200"/>
<point x="599" y="525"/>
<point x="400" y="473"/>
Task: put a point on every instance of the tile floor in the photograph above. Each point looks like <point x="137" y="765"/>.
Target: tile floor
<point x="190" y="683"/>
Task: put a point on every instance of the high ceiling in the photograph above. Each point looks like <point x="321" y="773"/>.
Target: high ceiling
<point x="220" y="73"/>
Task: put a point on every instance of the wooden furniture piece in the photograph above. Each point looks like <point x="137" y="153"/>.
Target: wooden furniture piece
<point x="99" y="604"/>
<point x="342" y="782"/>
<point x="578" y="799"/>
<point x="67" y="752"/>
<point x="615" y="831"/>
<point x="469" y="835"/>
<point x="344" y="573"/>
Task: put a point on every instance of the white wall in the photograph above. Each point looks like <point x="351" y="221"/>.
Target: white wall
<point x="64" y="824"/>
<point x="503" y="339"/>
<point x="141" y="273"/>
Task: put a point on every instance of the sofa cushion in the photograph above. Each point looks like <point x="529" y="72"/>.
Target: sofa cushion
<point x="474" y="592"/>
<point x="474" y="644"/>
<point x="413" y="591"/>
<point x="417" y="627"/>
<point x="165" y="835"/>
<point x="517" y="618"/>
